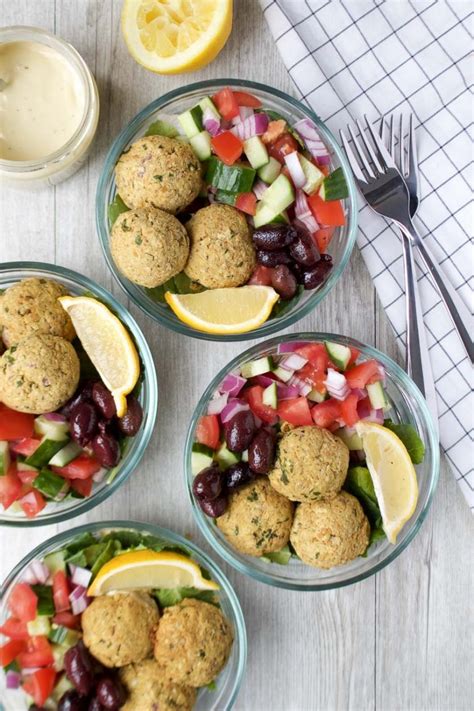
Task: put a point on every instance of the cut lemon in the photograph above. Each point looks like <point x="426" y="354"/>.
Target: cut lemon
<point x="146" y="569"/>
<point x="233" y="310"/>
<point x="172" y="36"/>
<point x="107" y="343"/>
<point x="393" y="475"/>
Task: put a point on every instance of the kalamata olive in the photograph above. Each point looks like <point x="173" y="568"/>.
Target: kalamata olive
<point x="284" y="281"/>
<point x="272" y="259"/>
<point x="72" y="701"/>
<point x="130" y="423"/>
<point x="109" y="427"/>
<point x="214" y="507"/>
<point x="239" y="431"/>
<point x="313" y="277"/>
<point x="208" y="483"/>
<point x="79" y="668"/>
<point x="103" y="400"/>
<point x="106" y="449"/>
<point x="95" y="705"/>
<point x="304" y="250"/>
<point x="83" y="422"/>
<point x="110" y="693"/>
<point x="82" y="394"/>
<point x="238" y="475"/>
<point x="274" y="237"/>
<point x="262" y="452"/>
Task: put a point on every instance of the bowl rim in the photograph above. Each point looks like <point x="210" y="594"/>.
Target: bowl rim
<point x="432" y="444"/>
<point x="270" y="326"/>
<point x="87" y="504"/>
<point x="154" y="529"/>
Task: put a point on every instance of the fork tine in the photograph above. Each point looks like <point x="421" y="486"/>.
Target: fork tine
<point x="361" y="154"/>
<point x="384" y="155"/>
<point x="354" y="163"/>
<point x="391" y="138"/>
<point x="401" y="149"/>
<point x="368" y="147"/>
<point x="382" y="129"/>
<point x="412" y="153"/>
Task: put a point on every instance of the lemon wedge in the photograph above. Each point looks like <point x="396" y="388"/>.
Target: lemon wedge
<point x="232" y="310"/>
<point x="107" y="343"/>
<point x="393" y="476"/>
<point x="146" y="569"/>
<point x="173" y="36"/>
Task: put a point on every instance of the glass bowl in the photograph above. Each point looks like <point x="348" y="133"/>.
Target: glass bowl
<point x="76" y="284"/>
<point x="407" y="405"/>
<point x="175" y="102"/>
<point x="229" y="681"/>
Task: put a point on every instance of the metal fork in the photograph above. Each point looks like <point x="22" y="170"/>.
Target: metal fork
<point x="382" y="185"/>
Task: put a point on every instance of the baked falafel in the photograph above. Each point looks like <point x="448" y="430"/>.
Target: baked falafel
<point x="148" y="689"/>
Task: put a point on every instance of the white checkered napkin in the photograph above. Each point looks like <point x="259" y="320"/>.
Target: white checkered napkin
<point x="379" y="56"/>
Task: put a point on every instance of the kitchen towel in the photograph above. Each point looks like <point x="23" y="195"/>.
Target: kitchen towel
<point x="376" y="57"/>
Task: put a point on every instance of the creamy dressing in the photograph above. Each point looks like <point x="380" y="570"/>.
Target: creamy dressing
<point x="42" y="101"/>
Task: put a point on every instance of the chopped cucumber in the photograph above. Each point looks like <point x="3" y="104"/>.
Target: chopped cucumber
<point x="279" y="195"/>
<point x="191" y="121"/>
<point x="237" y="178"/>
<point x="350" y="438"/>
<point x="61" y="687"/>
<point x="316" y="396"/>
<point x="282" y="218"/>
<point x="314" y="177"/>
<point x="22" y="467"/>
<point x="4" y="458"/>
<point x="51" y="485"/>
<point x="55" y="561"/>
<point x="45" y="452"/>
<point x="338" y="353"/>
<point x="264" y="214"/>
<point x="207" y="103"/>
<point x="63" y="635"/>
<point x="377" y="396"/>
<point x="256" y="152"/>
<point x="65" y="455"/>
<point x="283" y="374"/>
<point x="39" y="626"/>
<point x="270" y="396"/>
<point x="59" y="652"/>
<point x="270" y="171"/>
<point x="245" y="455"/>
<point x="57" y="431"/>
<point x="201" y="457"/>
<point x="226" y="197"/>
<point x="334" y="186"/>
<point x="225" y="458"/>
<point x="201" y="145"/>
<point x="44" y="593"/>
<point x="257" y="367"/>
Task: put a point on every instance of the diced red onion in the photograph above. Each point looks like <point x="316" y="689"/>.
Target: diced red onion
<point x="360" y="392"/>
<point x="210" y="122"/>
<point x="99" y="476"/>
<point x="283" y="374"/>
<point x="284" y="392"/>
<point x="79" y="600"/>
<point x="363" y="409"/>
<point x="54" y="417"/>
<point x="290" y="347"/>
<point x="217" y="404"/>
<point x="376" y="416"/>
<point x="336" y="385"/>
<point x="259" y="189"/>
<point x="296" y="171"/>
<point x="232" y="384"/>
<point x="324" y="160"/>
<point x="383" y="375"/>
<point x="244" y="113"/>
<point x="233" y="407"/>
<point x="308" y="132"/>
<point x="12" y="679"/>
<point x="308" y="222"/>
<point x="264" y="380"/>
<point x="254" y="125"/>
<point x="301" y="203"/>
<point x="302" y="386"/>
<point x="81" y="577"/>
<point x="294" y="361"/>
<point x="37" y="572"/>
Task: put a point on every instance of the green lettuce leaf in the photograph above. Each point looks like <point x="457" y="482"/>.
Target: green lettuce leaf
<point x="410" y="438"/>
<point x="172" y="596"/>
<point x="116" y="207"/>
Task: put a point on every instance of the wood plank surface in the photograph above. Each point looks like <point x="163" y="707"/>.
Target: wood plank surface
<point x="398" y="641"/>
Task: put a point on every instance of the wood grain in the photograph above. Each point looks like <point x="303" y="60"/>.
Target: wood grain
<point x="396" y="642"/>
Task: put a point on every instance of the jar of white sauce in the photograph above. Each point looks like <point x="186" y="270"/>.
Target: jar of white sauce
<point x="49" y="108"/>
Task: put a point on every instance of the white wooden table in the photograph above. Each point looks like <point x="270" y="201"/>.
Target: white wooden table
<point x="397" y="641"/>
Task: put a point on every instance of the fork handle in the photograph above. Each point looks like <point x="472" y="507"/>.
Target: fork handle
<point x="418" y="362"/>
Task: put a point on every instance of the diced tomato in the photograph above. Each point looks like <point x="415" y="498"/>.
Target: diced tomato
<point x="37" y="653"/>
<point x="247" y="202"/>
<point x="245" y="99"/>
<point x="349" y="410"/>
<point x="359" y="375"/>
<point x="262" y="276"/>
<point x="227" y="146"/>
<point x="207" y="431"/>
<point x="61" y="591"/>
<point x="10" y="650"/>
<point x="23" y="602"/>
<point x="283" y="145"/>
<point x="15" y="425"/>
<point x="10" y="487"/>
<point x="274" y="130"/>
<point x="254" y="397"/>
<point x="32" y="503"/>
<point x="295" y="411"/>
<point x="327" y="213"/>
<point x="314" y="376"/>
<point x="82" y="467"/>
<point x="82" y="486"/>
<point x="25" y="446"/>
<point x="27" y="476"/>
<point x="226" y="103"/>
<point x="323" y="237"/>
<point x="15" y="629"/>
<point x="355" y="353"/>
<point x="67" y="619"/>
<point x="317" y="355"/>
<point x="40" y="684"/>
<point x="325" y="413"/>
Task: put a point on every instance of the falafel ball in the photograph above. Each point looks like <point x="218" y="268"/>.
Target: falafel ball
<point x="119" y="629"/>
<point x="222" y="252"/>
<point x="193" y="642"/>
<point x="39" y="375"/>
<point x="158" y="171"/>
<point x="149" y="246"/>
<point x="258" y="519"/>
<point x="330" y="532"/>
<point x="31" y="306"/>
<point x="149" y="689"/>
<point x="311" y="463"/>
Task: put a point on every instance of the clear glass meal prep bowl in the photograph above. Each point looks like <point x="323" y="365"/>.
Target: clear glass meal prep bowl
<point x="177" y="101"/>
<point x="408" y="405"/>
<point x="229" y="681"/>
<point x="76" y="284"/>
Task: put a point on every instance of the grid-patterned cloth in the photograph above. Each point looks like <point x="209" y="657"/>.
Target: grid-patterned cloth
<point x="381" y="56"/>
